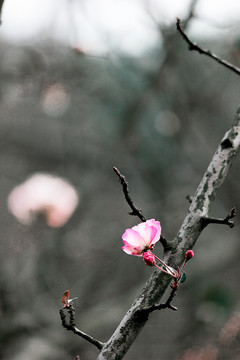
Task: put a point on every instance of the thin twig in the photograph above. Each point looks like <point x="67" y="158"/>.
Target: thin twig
<point x="167" y="304"/>
<point x="71" y="326"/>
<point x="135" y="211"/>
<point x="194" y="46"/>
<point x="226" y="221"/>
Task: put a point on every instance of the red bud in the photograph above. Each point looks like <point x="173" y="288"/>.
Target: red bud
<point x="189" y="255"/>
<point x="149" y="258"/>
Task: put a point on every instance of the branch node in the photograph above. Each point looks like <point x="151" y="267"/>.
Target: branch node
<point x="226" y="144"/>
<point x="166" y="305"/>
<point x="189" y="198"/>
<point x="166" y="244"/>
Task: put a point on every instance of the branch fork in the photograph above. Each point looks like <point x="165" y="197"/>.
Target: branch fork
<point x="227" y="221"/>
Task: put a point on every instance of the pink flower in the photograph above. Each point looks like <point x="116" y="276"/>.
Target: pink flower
<point x="142" y="237"/>
<point x="43" y="194"/>
<point x="149" y="258"/>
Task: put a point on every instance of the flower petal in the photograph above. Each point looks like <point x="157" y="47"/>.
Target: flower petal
<point x="150" y="230"/>
<point x="134" y="238"/>
<point x="157" y="226"/>
<point x="141" y="237"/>
<point x="130" y="250"/>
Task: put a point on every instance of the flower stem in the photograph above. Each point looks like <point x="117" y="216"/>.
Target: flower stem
<point x="166" y="272"/>
<point x="172" y="273"/>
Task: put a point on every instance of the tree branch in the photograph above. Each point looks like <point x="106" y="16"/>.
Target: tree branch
<point x="226" y="221"/>
<point x="131" y="325"/>
<point x="135" y="211"/>
<point x="193" y="46"/>
<point x="72" y="327"/>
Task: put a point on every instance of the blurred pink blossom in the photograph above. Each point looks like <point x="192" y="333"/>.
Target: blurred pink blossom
<point x="43" y="194"/>
<point x="141" y="237"/>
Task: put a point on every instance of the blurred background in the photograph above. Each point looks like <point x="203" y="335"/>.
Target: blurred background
<point x="87" y="85"/>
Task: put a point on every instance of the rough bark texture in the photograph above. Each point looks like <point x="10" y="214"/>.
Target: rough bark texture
<point x="133" y="322"/>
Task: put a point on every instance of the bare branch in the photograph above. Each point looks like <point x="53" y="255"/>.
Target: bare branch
<point x="226" y="221"/>
<point x="135" y="211"/>
<point x="193" y="46"/>
<point x="131" y="325"/>
<point x="72" y="327"/>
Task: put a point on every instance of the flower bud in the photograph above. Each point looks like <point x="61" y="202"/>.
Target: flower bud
<point x="189" y="255"/>
<point x="149" y="258"/>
